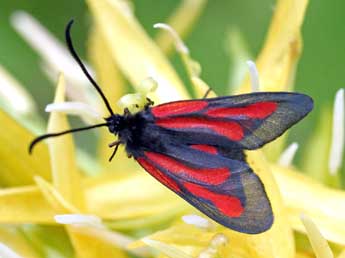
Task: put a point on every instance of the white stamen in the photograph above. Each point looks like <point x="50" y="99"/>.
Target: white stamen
<point x="180" y="46"/>
<point x="14" y="94"/>
<point x="197" y="221"/>
<point x="7" y="252"/>
<point x="254" y="76"/>
<point x="79" y="220"/>
<point x="288" y="154"/>
<point x="85" y="111"/>
<point x="338" y="133"/>
<point x="50" y="49"/>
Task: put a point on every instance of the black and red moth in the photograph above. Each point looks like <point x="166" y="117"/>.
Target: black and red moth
<point x="196" y="148"/>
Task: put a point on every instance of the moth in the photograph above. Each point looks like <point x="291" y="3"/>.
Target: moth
<point x="196" y="148"/>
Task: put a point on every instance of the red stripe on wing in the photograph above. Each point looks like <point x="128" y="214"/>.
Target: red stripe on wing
<point x="212" y="176"/>
<point x="206" y="148"/>
<point x="231" y="130"/>
<point x="178" y="108"/>
<point x="155" y="172"/>
<point x="256" y="110"/>
<point x="228" y="205"/>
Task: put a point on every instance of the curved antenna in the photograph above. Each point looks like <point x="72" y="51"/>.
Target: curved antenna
<point x="82" y="66"/>
<point x="49" y="135"/>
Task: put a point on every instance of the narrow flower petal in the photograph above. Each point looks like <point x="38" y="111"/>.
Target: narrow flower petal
<point x="254" y="76"/>
<point x="303" y="195"/>
<point x="108" y="239"/>
<point x="181" y="239"/>
<point x="146" y="58"/>
<point x="12" y="241"/>
<point x="107" y="71"/>
<point x="166" y="249"/>
<point x="117" y="198"/>
<point x="278" y="59"/>
<point x="7" y="252"/>
<point x="85" y="111"/>
<point x="55" y="56"/>
<point x="17" y="166"/>
<point x="197" y="221"/>
<point x="287" y="156"/>
<point x="319" y="244"/>
<point x="55" y="199"/>
<point x="338" y="133"/>
<point x="66" y="177"/>
<point x="15" y="95"/>
<point x="88" y="243"/>
<point x="342" y="254"/>
<point x="24" y="204"/>
<point x="182" y="20"/>
<point x="49" y="241"/>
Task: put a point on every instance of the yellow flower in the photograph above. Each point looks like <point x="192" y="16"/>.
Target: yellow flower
<point x="122" y="211"/>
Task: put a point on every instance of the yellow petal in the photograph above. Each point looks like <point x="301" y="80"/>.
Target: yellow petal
<point x="278" y="59"/>
<point x="324" y="205"/>
<point x="55" y="199"/>
<point x="170" y="250"/>
<point x="14" y="239"/>
<point x="130" y="198"/>
<point x="108" y="74"/>
<point x="319" y="244"/>
<point x="89" y="243"/>
<point x="302" y="255"/>
<point x="135" y="53"/>
<point x="277" y="241"/>
<point x="342" y="254"/>
<point x="182" y="20"/>
<point x="66" y="177"/>
<point x="182" y="239"/>
<point x="48" y="240"/>
<point x="24" y="205"/>
<point x="17" y="166"/>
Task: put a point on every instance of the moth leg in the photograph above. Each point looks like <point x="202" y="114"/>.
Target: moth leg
<point x="116" y="145"/>
<point x="149" y="103"/>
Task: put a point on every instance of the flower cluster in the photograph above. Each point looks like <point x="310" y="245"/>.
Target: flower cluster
<point x="60" y="202"/>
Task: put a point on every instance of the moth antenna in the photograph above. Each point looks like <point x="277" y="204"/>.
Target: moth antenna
<point x="82" y="66"/>
<point x="49" y="135"/>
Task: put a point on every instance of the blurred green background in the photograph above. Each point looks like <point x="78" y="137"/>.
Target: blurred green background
<point x="320" y="72"/>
